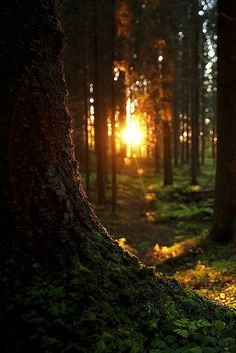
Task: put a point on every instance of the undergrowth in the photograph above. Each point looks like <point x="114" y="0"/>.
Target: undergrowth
<point x="107" y="302"/>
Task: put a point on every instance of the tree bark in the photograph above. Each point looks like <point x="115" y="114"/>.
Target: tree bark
<point x="113" y="111"/>
<point x="40" y="184"/>
<point x="100" y="123"/>
<point x="195" y="98"/>
<point x="225" y="196"/>
<point x="168" y="176"/>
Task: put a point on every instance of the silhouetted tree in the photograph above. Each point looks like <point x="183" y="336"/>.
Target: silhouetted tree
<point x="225" y="197"/>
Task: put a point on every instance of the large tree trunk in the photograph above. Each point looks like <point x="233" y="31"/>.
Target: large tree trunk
<point x="39" y="177"/>
<point x="225" y="203"/>
<point x="65" y="286"/>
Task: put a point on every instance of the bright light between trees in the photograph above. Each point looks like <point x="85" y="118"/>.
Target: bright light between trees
<point x="133" y="134"/>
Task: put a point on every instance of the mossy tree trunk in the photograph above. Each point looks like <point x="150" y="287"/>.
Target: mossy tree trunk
<point x="40" y="186"/>
<point x="225" y="202"/>
<point x="65" y="285"/>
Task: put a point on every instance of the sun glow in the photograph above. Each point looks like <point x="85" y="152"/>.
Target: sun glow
<point x="133" y="134"/>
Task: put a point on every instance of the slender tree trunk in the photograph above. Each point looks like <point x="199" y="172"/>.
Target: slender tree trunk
<point x="225" y="197"/>
<point x="203" y="145"/>
<point x="157" y="153"/>
<point x="195" y="100"/>
<point x="203" y="126"/>
<point x="176" y="131"/>
<point x="113" y="112"/>
<point x="187" y="141"/>
<point x="86" y="142"/>
<point x="203" y="130"/>
<point x="158" y="143"/>
<point x="189" y="100"/>
<point x="100" y="123"/>
<point x="214" y="123"/>
<point x="202" y="103"/>
<point x="213" y="144"/>
<point x="168" y="178"/>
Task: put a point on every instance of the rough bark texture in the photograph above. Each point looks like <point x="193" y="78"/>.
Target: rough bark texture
<point x="39" y="176"/>
<point x="225" y="204"/>
<point x="65" y="286"/>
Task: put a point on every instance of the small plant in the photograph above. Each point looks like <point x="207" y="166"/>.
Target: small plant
<point x="198" y="336"/>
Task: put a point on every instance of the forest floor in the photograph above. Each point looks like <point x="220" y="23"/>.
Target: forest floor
<point x="168" y="228"/>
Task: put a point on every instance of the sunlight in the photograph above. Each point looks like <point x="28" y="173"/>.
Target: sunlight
<point x="133" y="134"/>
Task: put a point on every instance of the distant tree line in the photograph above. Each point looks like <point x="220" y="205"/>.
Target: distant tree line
<point x="160" y="55"/>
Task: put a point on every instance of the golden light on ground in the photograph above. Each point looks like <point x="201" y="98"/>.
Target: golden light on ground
<point x="140" y="171"/>
<point x="163" y="253"/>
<point x="124" y="245"/>
<point x="151" y="216"/>
<point x="150" y="196"/>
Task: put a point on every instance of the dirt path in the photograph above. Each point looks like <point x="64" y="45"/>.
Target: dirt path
<point x="135" y="222"/>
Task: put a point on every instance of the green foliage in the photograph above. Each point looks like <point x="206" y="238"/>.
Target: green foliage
<point x="120" y="311"/>
<point x="183" y="211"/>
<point x="194" y="336"/>
<point x="109" y="303"/>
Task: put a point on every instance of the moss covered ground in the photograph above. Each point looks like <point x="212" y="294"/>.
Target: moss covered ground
<point x="110" y="302"/>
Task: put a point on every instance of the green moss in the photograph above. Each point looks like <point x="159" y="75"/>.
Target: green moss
<point x="107" y="302"/>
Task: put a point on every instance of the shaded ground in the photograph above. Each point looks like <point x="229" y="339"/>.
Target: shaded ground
<point x="132" y="224"/>
<point x="168" y="228"/>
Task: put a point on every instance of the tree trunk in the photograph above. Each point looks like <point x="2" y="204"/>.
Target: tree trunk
<point x="157" y="154"/>
<point x="100" y="121"/>
<point x="65" y="285"/>
<point x="86" y="139"/>
<point x="113" y="112"/>
<point x="195" y="98"/>
<point x="225" y="197"/>
<point x="37" y="159"/>
<point x="176" y="130"/>
<point x="168" y="177"/>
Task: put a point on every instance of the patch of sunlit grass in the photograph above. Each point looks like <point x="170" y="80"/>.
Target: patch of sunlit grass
<point x="150" y="196"/>
<point x="153" y="186"/>
<point x="164" y="253"/>
<point x="196" y="188"/>
<point x="151" y="216"/>
<point x="226" y="295"/>
<point x="197" y="277"/>
<point x="140" y="171"/>
<point x="127" y="247"/>
<point x="217" y="284"/>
